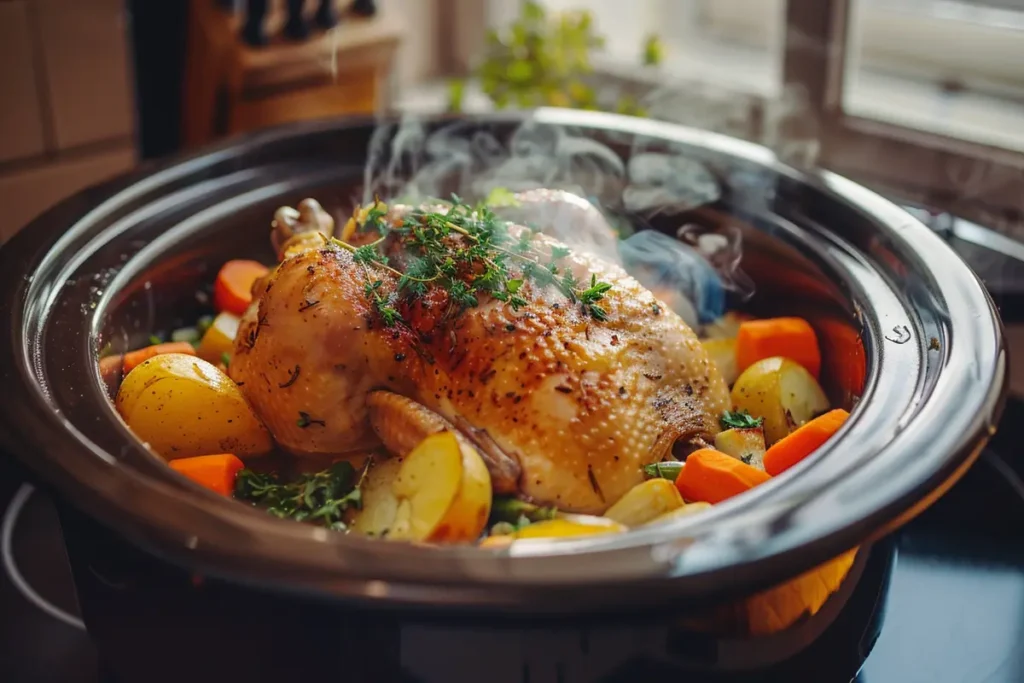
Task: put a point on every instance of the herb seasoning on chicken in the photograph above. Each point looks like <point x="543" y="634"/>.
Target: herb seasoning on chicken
<point x="564" y="372"/>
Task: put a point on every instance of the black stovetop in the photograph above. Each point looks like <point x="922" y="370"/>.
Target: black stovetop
<point x="954" y="611"/>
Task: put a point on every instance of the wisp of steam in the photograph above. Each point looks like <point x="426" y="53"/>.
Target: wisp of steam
<point x="572" y="187"/>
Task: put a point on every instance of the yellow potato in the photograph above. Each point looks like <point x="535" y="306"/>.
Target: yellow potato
<point x="685" y="511"/>
<point x="782" y="392"/>
<point x="380" y="504"/>
<point x="722" y="353"/>
<point x="745" y="444"/>
<point x="219" y="339"/>
<point x="644" y="502"/>
<point x="565" y="526"/>
<point x="183" y="406"/>
<point x="443" y="490"/>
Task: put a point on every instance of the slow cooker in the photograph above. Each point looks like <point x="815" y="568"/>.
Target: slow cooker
<point x="167" y="568"/>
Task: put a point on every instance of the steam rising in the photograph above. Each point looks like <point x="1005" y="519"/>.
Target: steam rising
<point x="578" y="190"/>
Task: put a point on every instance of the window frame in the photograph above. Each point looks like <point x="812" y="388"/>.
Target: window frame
<point x="972" y="180"/>
<point x="978" y="182"/>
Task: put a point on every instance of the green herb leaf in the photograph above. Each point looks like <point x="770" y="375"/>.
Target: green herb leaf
<point x="322" y="498"/>
<point x="225" y="358"/>
<point x="592" y="294"/>
<point x="511" y="510"/>
<point x="739" y="420"/>
<point x="664" y="470"/>
<point x="306" y="421"/>
<point x="368" y="254"/>
<point x="468" y="252"/>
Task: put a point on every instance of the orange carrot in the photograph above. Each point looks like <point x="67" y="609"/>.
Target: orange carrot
<point x="215" y="472"/>
<point x="791" y="449"/>
<point x="791" y="338"/>
<point x="712" y="476"/>
<point x="111" y="364"/>
<point x="134" y="358"/>
<point x="842" y="355"/>
<point x="232" y="292"/>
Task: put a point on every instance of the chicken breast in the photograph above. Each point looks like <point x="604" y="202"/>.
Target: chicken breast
<point x="567" y="404"/>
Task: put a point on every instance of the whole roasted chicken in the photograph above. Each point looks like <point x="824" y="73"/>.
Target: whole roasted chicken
<point x="565" y="373"/>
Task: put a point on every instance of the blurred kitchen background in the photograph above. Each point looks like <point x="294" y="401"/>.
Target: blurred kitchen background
<point x="923" y="99"/>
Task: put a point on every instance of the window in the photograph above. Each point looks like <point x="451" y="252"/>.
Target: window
<point x="922" y="99"/>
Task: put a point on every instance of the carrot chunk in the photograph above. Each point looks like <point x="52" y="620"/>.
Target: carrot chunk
<point x="215" y="472"/>
<point x="232" y="291"/>
<point x="791" y="338"/>
<point x="711" y="476"/>
<point x="134" y="358"/>
<point x="791" y="449"/>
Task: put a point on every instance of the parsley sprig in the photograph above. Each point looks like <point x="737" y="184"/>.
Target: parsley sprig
<point x="468" y="252"/>
<point x="739" y="419"/>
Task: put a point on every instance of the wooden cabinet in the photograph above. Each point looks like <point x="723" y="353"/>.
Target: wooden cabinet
<point x="67" y="114"/>
<point x="231" y="87"/>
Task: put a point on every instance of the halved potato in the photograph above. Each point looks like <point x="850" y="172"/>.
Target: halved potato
<point x="746" y="444"/>
<point x="565" y="526"/>
<point x="685" y="511"/>
<point x="443" y="491"/>
<point x="380" y="504"/>
<point x="722" y="353"/>
<point x="219" y="338"/>
<point x="644" y="502"/>
<point x="782" y="392"/>
<point x="182" y="406"/>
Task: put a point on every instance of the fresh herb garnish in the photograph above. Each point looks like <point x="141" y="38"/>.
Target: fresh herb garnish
<point x="592" y="294"/>
<point x="468" y="253"/>
<point x="664" y="470"/>
<point x="741" y="419"/>
<point x="225" y="358"/>
<point x="322" y="498"/>
<point x="305" y="420"/>
<point x="516" y="512"/>
<point x="155" y="339"/>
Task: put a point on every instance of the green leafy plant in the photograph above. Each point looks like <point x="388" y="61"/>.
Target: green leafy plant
<point x="545" y="60"/>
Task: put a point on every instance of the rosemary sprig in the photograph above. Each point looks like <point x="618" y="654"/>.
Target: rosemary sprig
<point x="466" y="251"/>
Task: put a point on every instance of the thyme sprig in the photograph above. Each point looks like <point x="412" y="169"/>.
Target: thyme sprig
<point x="320" y="498"/>
<point x="468" y="252"/>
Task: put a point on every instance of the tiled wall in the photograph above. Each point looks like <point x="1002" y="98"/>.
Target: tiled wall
<point x="66" y="102"/>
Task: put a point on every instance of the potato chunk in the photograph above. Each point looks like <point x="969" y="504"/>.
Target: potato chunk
<point x="644" y="502"/>
<point x="747" y="444"/>
<point x="782" y="392"/>
<point x="183" y="406"/>
<point x="443" y="491"/>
